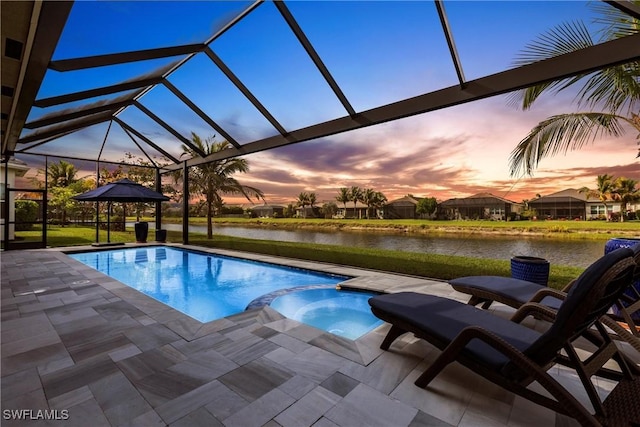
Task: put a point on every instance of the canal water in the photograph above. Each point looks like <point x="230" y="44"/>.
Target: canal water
<point x="576" y="253"/>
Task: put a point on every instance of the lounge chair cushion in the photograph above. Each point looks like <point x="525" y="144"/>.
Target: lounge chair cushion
<point x="507" y="288"/>
<point x="442" y="319"/>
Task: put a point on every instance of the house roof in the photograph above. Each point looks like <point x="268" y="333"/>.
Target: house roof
<point x="480" y="199"/>
<point x="564" y="196"/>
<point x="40" y="119"/>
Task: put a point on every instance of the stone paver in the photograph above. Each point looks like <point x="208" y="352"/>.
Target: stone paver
<point x="112" y="356"/>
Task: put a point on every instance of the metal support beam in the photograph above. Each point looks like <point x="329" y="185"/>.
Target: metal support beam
<point x="139" y="147"/>
<point x="145" y="139"/>
<point x="47" y="22"/>
<point x="59" y="118"/>
<point x="626" y="7"/>
<point x="286" y="14"/>
<point x="596" y="57"/>
<point x="92" y="93"/>
<point x="200" y="113"/>
<point x="169" y="129"/>
<point x="242" y="88"/>
<point x="450" y="42"/>
<point x="68" y="127"/>
<point x="124" y="57"/>
<point x="185" y="203"/>
<point x="158" y="203"/>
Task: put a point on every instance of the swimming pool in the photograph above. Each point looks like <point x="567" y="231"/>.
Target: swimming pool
<point x="341" y="312"/>
<point x="203" y="286"/>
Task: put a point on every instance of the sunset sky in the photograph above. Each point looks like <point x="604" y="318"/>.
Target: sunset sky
<point x="379" y="52"/>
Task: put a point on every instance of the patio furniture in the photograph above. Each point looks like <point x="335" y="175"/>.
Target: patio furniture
<point x="513" y="356"/>
<point x="623" y="319"/>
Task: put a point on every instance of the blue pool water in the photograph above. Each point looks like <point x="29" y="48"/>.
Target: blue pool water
<point x="203" y="286"/>
<point x="341" y="312"/>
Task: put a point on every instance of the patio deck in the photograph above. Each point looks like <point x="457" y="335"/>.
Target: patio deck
<point x="74" y="339"/>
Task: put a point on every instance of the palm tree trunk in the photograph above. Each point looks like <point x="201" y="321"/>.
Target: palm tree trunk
<point x="209" y="219"/>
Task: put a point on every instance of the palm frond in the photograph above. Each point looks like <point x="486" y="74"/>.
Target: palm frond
<point x="616" y="89"/>
<point x="615" y="23"/>
<point x="565" y="38"/>
<point x="559" y="134"/>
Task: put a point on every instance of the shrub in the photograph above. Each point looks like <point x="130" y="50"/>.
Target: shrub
<point x="26" y="214"/>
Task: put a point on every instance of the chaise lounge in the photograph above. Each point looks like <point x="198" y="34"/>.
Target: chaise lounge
<point x="623" y="320"/>
<point x="514" y="356"/>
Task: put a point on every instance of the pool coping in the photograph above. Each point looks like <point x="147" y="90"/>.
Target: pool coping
<point x="362" y="350"/>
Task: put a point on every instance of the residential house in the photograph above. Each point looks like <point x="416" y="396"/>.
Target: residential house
<point x="572" y="204"/>
<point x="480" y="206"/>
<point x="268" y="211"/>
<point x="402" y="208"/>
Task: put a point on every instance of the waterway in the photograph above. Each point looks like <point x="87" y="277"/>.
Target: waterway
<point x="578" y="253"/>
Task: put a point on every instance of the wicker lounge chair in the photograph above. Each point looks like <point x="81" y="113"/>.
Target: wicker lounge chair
<point x="512" y="355"/>
<point x="623" y="319"/>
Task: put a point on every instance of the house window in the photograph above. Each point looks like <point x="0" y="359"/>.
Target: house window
<point x="598" y="210"/>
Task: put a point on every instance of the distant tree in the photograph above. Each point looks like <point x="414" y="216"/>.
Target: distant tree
<point x="344" y="197"/>
<point x="355" y="195"/>
<point x="378" y="201"/>
<point x="427" y="206"/>
<point x="213" y="179"/>
<point x="329" y="209"/>
<point x="302" y="201"/>
<point x="368" y="196"/>
<point x="61" y="174"/>
<point x="603" y="191"/>
<point x="313" y="199"/>
<point x="626" y="192"/>
<point x="289" y="211"/>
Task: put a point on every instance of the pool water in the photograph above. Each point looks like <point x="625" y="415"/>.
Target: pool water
<point x="340" y="312"/>
<point x="203" y="286"/>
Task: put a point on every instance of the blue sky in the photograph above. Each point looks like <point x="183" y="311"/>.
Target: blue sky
<point x="378" y="52"/>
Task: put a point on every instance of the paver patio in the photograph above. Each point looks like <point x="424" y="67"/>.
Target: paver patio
<point x="74" y="339"/>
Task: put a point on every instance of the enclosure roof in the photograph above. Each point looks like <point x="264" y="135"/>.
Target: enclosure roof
<point x="87" y="81"/>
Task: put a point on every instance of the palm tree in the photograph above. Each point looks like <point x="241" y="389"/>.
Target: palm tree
<point x="61" y="174"/>
<point x="303" y="201"/>
<point x="355" y="195"/>
<point x="378" y="200"/>
<point x="626" y="192"/>
<point x="343" y="197"/>
<point x="603" y="191"/>
<point x="313" y="199"/>
<point x="614" y="91"/>
<point x="212" y="180"/>
<point x="368" y="196"/>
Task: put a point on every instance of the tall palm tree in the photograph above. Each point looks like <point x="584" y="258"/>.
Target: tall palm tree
<point x="626" y="192"/>
<point x="611" y="96"/>
<point x="61" y="174"/>
<point x="313" y="199"/>
<point x="212" y="180"/>
<point x="355" y="194"/>
<point x="303" y="201"/>
<point x="603" y="191"/>
<point x="368" y="196"/>
<point x="344" y="197"/>
<point x="379" y="200"/>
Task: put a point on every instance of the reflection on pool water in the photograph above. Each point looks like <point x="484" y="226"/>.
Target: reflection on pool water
<point x="341" y="312"/>
<point x="201" y="285"/>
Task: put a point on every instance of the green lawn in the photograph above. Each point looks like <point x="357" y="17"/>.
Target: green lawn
<point x="419" y="264"/>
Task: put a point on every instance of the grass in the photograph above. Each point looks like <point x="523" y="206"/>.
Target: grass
<point x="419" y="264"/>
